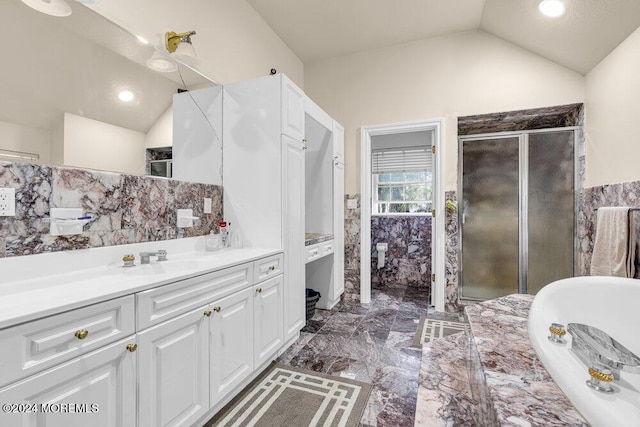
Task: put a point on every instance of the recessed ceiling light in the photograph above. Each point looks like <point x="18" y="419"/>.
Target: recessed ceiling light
<point x="551" y="8"/>
<point x="126" y="96"/>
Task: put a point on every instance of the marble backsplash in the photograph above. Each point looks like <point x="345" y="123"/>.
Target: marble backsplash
<point x="408" y="258"/>
<point x="126" y="208"/>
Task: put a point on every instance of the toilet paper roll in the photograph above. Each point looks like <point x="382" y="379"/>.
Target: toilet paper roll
<point x="380" y="259"/>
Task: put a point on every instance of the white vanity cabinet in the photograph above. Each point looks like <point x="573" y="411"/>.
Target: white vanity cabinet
<point x="263" y="128"/>
<point x="97" y="389"/>
<point x="192" y="362"/>
<point x="169" y="355"/>
<point x="173" y="373"/>
<point x="268" y="333"/>
<point x="231" y="343"/>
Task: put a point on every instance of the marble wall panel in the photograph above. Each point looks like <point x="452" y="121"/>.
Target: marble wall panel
<point x="126" y="208"/>
<point x="592" y="198"/>
<point x="352" y="248"/>
<point x="408" y="259"/>
<point x="510" y="121"/>
<point x="451" y="298"/>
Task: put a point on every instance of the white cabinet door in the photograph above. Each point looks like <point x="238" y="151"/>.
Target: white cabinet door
<point x="292" y="110"/>
<point x="267" y="324"/>
<point x="174" y="371"/>
<point x="293" y="235"/>
<point x="97" y="389"/>
<point x="338" y="229"/>
<point x="231" y="342"/>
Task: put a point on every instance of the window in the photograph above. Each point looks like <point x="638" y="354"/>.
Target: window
<point x="402" y="180"/>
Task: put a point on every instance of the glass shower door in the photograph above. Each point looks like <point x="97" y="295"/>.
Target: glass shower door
<point x="490" y="217"/>
<point x="550" y="208"/>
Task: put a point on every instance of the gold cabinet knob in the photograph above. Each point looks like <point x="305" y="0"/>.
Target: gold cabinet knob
<point x="81" y="334"/>
<point x="132" y="347"/>
<point x="272" y="267"/>
<point x="216" y="309"/>
<point x="259" y="290"/>
<point x="208" y="313"/>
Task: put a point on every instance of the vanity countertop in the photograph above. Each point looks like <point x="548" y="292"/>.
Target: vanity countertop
<point x="36" y="297"/>
<point x="313" y="238"/>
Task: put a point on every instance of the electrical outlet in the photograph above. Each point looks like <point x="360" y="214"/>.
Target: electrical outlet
<point x="7" y="201"/>
<point x="207" y="205"/>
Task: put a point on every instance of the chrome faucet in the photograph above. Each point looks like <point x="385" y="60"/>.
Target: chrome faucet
<point x="604" y="356"/>
<point x="145" y="256"/>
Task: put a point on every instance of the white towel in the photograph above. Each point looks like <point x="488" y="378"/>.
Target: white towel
<point x="614" y="247"/>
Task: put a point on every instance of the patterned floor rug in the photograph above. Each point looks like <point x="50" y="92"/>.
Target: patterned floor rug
<point x="287" y="396"/>
<point x="432" y="329"/>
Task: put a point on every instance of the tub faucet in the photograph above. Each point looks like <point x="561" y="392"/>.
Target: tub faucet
<point x="145" y="256"/>
<point x="604" y="356"/>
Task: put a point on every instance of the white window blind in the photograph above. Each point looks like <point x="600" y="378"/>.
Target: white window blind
<point x="406" y="159"/>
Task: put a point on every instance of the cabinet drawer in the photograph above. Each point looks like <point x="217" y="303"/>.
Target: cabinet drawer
<point x="31" y="347"/>
<point x="164" y="302"/>
<point x="268" y="267"/>
<point x="326" y="247"/>
<point x="313" y="252"/>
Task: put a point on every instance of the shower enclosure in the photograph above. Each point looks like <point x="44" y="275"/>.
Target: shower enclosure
<point x="517" y="211"/>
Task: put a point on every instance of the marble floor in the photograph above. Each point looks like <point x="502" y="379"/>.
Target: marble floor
<point x="370" y="343"/>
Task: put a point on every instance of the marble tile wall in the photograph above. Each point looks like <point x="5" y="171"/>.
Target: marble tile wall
<point x="451" y="300"/>
<point x="510" y="121"/>
<point x="126" y="208"/>
<point x="408" y="259"/>
<point x="352" y="249"/>
<point x="592" y="198"/>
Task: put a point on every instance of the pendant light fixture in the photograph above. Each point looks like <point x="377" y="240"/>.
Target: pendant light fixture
<point x="179" y="45"/>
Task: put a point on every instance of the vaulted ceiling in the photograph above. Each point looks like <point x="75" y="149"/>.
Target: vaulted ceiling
<point x="315" y="30"/>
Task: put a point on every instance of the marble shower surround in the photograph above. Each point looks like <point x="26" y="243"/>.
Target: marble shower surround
<point x="408" y="259"/>
<point x="127" y="209"/>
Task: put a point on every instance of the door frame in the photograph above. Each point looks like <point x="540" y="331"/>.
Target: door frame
<point x="438" y="234"/>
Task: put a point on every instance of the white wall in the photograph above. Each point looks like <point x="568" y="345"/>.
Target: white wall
<point x="97" y="145"/>
<point x="613" y="110"/>
<point x="26" y="140"/>
<point x="233" y="42"/>
<point x="161" y="133"/>
<point x="445" y="77"/>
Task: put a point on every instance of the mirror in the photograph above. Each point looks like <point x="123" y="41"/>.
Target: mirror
<point x="59" y="101"/>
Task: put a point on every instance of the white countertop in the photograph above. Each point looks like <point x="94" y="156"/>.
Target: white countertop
<point x="52" y="291"/>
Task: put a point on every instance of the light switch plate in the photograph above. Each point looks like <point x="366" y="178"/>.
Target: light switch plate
<point x="207" y="205"/>
<point x="7" y="201"/>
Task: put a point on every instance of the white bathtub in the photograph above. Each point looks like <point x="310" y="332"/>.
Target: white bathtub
<point x="610" y="304"/>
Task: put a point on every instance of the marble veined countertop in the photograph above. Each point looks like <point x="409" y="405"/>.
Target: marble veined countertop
<point x="519" y="390"/>
<point x="313" y="238"/>
<point x="51" y="290"/>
